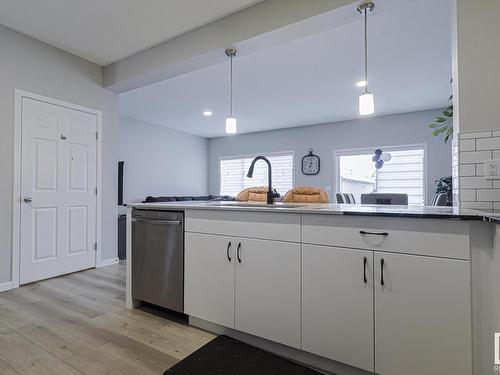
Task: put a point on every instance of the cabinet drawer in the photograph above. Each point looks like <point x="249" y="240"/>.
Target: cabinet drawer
<point x="432" y="237"/>
<point x="267" y="225"/>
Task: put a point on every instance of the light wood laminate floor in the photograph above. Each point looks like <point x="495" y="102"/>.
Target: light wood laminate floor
<point x="78" y="324"/>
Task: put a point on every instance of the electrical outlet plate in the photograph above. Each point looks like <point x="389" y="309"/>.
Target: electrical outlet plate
<point x="492" y="170"/>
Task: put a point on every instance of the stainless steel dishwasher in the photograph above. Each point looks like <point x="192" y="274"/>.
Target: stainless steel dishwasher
<point x="158" y="258"/>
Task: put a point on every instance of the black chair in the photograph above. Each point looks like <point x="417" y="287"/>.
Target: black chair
<point x="381" y="198"/>
<point x="439" y="199"/>
<point x="345" y="198"/>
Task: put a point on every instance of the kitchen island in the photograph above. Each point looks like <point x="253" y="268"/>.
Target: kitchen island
<point x="347" y="288"/>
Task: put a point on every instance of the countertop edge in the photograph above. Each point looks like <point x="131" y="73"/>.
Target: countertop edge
<point x="466" y="215"/>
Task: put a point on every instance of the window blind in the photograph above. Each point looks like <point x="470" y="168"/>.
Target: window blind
<point x="233" y="173"/>
<point x="404" y="173"/>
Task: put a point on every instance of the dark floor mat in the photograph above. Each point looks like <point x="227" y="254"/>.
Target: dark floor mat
<point x="226" y="356"/>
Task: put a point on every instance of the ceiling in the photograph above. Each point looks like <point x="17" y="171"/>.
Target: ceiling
<point x="105" y="31"/>
<point x="311" y="80"/>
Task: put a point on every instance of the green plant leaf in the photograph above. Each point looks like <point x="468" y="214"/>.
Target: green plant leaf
<point x="443" y="124"/>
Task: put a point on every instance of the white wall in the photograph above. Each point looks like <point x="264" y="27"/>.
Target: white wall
<point x="476" y="57"/>
<point x="31" y="65"/>
<point x="161" y="161"/>
<point x="410" y="128"/>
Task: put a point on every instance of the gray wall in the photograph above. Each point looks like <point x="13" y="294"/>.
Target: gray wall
<point x="30" y="65"/>
<point x="410" y="128"/>
<point x="161" y="161"/>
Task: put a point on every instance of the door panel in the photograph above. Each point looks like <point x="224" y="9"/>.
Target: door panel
<point x="209" y="278"/>
<point x="45" y="162"/>
<point x="44" y="233"/>
<point x="77" y="229"/>
<point x="78" y="167"/>
<point x="59" y="164"/>
<point x="422" y="316"/>
<point x="337" y="304"/>
<point x="268" y="290"/>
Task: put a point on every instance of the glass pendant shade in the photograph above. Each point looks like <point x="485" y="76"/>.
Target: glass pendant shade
<point x="366" y="104"/>
<point x="231" y="125"/>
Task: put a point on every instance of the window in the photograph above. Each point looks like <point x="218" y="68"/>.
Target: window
<point x="403" y="173"/>
<point x="233" y="173"/>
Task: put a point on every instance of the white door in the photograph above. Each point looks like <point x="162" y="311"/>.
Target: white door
<point x="58" y="203"/>
<point x="422" y="316"/>
<point x="209" y="278"/>
<point x="337" y="304"/>
<point x="268" y="290"/>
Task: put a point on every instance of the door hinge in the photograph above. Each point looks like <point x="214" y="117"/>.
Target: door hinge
<point x="96" y="135"/>
<point x="95" y="190"/>
<point x="95" y="246"/>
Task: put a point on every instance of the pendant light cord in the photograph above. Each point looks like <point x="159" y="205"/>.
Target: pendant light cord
<point x="366" y="51"/>
<point x="231" y="89"/>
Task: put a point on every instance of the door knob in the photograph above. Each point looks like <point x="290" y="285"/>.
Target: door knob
<point x="28" y="199"/>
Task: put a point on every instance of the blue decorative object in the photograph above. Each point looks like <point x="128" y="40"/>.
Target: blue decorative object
<point x="378" y="158"/>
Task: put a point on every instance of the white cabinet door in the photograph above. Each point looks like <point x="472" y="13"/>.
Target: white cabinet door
<point x="268" y="290"/>
<point x="422" y="315"/>
<point x="337" y="304"/>
<point x="209" y="278"/>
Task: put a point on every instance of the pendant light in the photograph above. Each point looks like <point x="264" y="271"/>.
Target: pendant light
<point x="231" y="120"/>
<point x="366" y="100"/>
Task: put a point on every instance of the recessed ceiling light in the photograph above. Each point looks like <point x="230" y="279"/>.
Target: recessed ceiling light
<point x="207" y="113"/>
<point x="361" y="83"/>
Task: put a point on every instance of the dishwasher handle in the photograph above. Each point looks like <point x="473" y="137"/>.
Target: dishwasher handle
<point x="157" y="222"/>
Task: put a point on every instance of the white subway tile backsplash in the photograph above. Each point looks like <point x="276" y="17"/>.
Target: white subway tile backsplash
<point x="475" y="183"/>
<point x="488" y="195"/>
<point x="468" y="195"/>
<point x="480" y="169"/>
<point x="468" y="145"/>
<point x="487" y="143"/>
<point x="485" y="134"/>
<point x="467" y="170"/>
<point x="477" y="205"/>
<point x="470" y="188"/>
<point x="474" y="156"/>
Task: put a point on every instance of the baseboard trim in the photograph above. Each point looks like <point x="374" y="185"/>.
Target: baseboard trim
<point x="7" y="286"/>
<point x="108" y="262"/>
<point x="322" y="364"/>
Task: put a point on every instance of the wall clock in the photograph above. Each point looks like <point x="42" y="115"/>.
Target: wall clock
<point x="310" y="163"/>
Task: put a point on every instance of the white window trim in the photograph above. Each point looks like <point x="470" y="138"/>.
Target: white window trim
<point x="253" y="155"/>
<point x="369" y="150"/>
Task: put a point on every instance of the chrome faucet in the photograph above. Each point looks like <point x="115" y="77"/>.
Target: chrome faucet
<point x="270" y="193"/>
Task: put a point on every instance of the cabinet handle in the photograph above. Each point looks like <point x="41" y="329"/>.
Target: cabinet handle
<point x="227" y="251"/>
<point x="238" y="252"/>
<point x="385" y="234"/>
<point x="382" y="262"/>
<point x="365" y="260"/>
